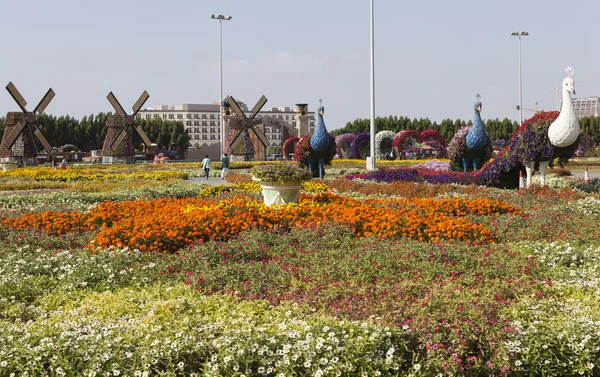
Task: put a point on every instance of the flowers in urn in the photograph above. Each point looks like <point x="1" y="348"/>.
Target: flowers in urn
<point x="281" y="173"/>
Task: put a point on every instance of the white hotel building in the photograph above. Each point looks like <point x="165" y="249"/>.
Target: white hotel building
<point x="202" y="121"/>
<point x="587" y="107"/>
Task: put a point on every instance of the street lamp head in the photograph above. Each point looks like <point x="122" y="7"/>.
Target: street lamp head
<point x="212" y="16"/>
<point x="524" y="33"/>
<point x="228" y="18"/>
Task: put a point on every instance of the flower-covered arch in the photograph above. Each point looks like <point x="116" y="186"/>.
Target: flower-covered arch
<point x="384" y="144"/>
<point x="289" y="147"/>
<point x="435" y="141"/>
<point x="358" y="146"/>
<point x="343" y="143"/>
<point x="406" y="141"/>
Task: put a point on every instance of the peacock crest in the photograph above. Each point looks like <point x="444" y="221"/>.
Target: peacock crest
<point x="477" y="137"/>
<point x="320" y="140"/>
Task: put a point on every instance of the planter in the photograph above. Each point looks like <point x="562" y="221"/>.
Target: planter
<point x="280" y="193"/>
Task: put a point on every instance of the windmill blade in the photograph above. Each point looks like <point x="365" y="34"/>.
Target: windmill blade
<point x="16" y="96"/>
<point x="236" y="108"/>
<point x="115" y="144"/>
<point x="140" y="102"/>
<point x="261" y="136"/>
<point x="14" y="134"/>
<point x="44" y="102"/>
<point x="259" y="105"/>
<point x="115" y="104"/>
<point x="237" y="140"/>
<point x="143" y="135"/>
<point x="38" y="133"/>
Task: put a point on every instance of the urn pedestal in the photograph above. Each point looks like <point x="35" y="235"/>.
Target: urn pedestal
<point x="275" y="193"/>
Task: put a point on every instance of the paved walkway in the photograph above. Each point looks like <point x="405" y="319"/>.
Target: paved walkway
<point x="580" y="174"/>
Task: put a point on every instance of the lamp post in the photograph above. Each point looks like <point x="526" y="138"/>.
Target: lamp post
<point x="371" y="162"/>
<point x="556" y="94"/>
<point x="519" y="34"/>
<point x="220" y="17"/>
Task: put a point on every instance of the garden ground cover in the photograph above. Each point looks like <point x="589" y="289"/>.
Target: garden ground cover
<point x="279" y="297"/>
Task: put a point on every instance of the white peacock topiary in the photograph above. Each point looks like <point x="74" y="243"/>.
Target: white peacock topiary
<point x="564" y="131"/>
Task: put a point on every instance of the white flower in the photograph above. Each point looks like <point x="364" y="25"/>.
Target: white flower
<point x="417" y="367"/>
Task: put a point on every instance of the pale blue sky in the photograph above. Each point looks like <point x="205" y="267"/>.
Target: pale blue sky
<point x="432" y="57"/>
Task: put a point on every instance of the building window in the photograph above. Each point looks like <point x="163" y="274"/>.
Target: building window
<point x="138" y="116"/>
<point x="196" y="116"/>
<point x="188" y="116"/>
<point x="212" y="123"/>
<point x="203" y="130"/>
<point x="212" y="130"/>
<point x="148" y="116"/>
<point x="204" y="137"/>
<point x="287" y="117"/>
<point x="213" y="137"/>
<point x="212" y="116"/>
<point x="171" y="116"/>
<point x="204" y="123"/>
<point x="196" y="123"/>
<point x="196" y="137"/>
<point x="165" y="116"/>
<point x="203" y="116"/>
<point x="197" y="130"/>
<point x="179" y="116"/>
<point x="188" y="123"/>
<point x="156" y="116"/>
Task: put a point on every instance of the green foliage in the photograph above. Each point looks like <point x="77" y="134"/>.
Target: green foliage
<point x="593" y="186"/>
<point x="497" y="129"/>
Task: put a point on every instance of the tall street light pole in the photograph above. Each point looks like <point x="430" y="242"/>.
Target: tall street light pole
<point x="371" y="162"/>
<point x="556" y="95"/>
<point x="220" y="17"/>
<point x="519" y="34"/>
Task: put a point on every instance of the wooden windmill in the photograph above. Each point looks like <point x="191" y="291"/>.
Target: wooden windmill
<point x="118" y="142"/>
<point x="247" y="125"/>
<point x="20" y="127"/>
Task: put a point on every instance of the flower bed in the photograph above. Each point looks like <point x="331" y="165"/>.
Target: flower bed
<point x="324" y="287"/>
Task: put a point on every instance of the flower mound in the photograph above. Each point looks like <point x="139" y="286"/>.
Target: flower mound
<point x="186" y="221"/>
<point x="280" y="173"/>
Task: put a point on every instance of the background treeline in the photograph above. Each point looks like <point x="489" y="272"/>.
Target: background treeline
<point x="89" y="132"/>
<point x="497" y="129"/>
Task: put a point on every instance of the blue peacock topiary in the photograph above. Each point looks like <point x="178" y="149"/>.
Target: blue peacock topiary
<point x="476" y="141"/>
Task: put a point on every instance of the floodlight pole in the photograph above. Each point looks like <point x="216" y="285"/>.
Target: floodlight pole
<point x="519" y="34"/>
<point x="556" y="95"/>
<point x="371" y="162"/>
<point x="220" y="17"/>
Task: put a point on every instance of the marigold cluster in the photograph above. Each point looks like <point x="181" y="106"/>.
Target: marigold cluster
<point x="167" y="224"/>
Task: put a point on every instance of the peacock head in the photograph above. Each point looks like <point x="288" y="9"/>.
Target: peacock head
<point x="478" y="104"/>
<point x="568" y="82"/>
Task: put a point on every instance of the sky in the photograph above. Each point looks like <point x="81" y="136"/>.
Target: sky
<point x="431" y="57"/>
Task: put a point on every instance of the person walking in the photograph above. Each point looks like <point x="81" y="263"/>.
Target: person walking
<point x="206" y="165"/>
<point x="224" y="166"/>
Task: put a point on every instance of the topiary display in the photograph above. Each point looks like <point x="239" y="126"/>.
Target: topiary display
<point x="360" y="146"/>
<point x="114" y="125"/>
<point x="289" y="147"/>
<point x="343" y="143"/>
<point x="384" y="141"/>
<point x="458" y="146"/>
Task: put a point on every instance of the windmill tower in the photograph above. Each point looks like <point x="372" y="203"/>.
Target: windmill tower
<point x="18" y="143"/>
<point x="118" y="143"/>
